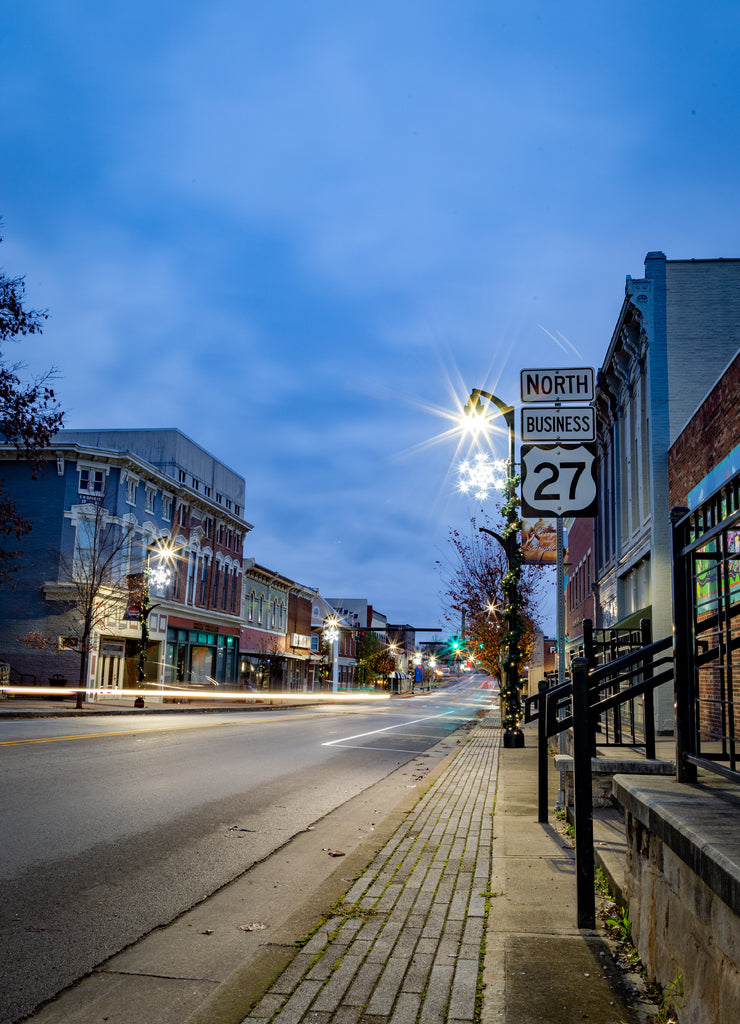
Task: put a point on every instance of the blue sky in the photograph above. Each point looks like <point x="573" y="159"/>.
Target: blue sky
<point x="296" y="230"/>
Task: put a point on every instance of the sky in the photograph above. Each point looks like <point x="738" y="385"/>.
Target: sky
<point x="302" y="232"/>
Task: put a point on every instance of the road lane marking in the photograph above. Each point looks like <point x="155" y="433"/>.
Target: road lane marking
<point x="387" y="728"/>
<point x="146" y="732"/>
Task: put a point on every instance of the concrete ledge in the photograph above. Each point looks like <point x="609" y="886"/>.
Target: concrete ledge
<point x="618" y="766"/>
<point x="700" y="823"/>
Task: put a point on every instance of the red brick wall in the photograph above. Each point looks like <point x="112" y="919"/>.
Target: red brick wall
<point x="711" y="434"/>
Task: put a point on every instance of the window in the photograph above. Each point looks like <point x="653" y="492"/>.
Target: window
<point x="274" y="613"/>
<point x="84" y="553"/>
<point x="132" y="485"/>
<point x="238" y="509"/>
<point x="237" y="541"/>
<point x="206" y="490"/>
<point x="251" y="606"/>
<point x="149" y="499"/>
<point x="196" y="484"/>
<point x="225" y="590"/>
<point x="203" y="581"/>
<point x="219" y="498"/>
<point x="182" y="476"/>
<point x="183" y="515"/>
<point x="91" y="481"/>
<point x="167" y="507"/>
<point x="233" y="590"/>
<point x="281" y="609"/>
<point x="216" y="582"/>
<point x="260" y="607"/>
<point x="228" y="502"/>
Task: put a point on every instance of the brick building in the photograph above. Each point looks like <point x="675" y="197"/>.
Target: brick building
<point x="152" y="487"/>
<point x="707" y="451"/>
<point x="579" y="596"/>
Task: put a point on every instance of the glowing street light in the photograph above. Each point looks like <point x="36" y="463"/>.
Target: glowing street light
<point x="474" y="419"/>
<point x="159" y="577"/>
<point x="331" y="636"/>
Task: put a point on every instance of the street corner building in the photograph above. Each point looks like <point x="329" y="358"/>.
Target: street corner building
<point x="106" y="508"/>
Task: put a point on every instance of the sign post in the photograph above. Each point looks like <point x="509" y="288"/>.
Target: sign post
<point x="558" y="463"/>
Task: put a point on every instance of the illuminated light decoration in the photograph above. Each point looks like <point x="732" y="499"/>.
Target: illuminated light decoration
<point x="160" y="576"/>
<point x="331" y="631"/>
<point x="481" y="475"/>
<point x="417" y="658"/>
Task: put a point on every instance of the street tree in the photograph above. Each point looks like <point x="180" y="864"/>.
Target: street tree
<point x="374" y="661"/>
<point x="475" y="576"/>
<point x="95" y="584"/>
<point x="29" y="412"/>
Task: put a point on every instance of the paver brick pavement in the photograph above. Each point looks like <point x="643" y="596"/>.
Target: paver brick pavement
<point x="419" y="965"/>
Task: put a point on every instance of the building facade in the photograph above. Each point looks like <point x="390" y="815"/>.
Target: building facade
<point x="706" y="454"/>
<point x="143" y="490"/>
<point x="579" y="596"/>
<point x="678" y="328"/>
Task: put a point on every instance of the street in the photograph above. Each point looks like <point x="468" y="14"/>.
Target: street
<point x="116" y="825"/>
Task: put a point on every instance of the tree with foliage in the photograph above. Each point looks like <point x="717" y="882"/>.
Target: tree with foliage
<point x="29" y="412"/>
<point x="497" y="600"/>
<point x="373" y="660"/>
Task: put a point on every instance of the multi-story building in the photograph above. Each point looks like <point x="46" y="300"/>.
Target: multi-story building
<point x="678" y="328"/>
<point x="264" y="627"/>
<point x="144" y="489"/>
<point x="579" y="597"/>
<point x="706" y="454"/>
<point x="276" y="636"/>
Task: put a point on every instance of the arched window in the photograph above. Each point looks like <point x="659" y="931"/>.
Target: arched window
<point x="251" y="606"/>
<point x="261" y="607"/>
<point x="274" y="612"/>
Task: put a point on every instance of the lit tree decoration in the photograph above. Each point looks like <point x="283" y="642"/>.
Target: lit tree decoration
<point x="481" y="475"/>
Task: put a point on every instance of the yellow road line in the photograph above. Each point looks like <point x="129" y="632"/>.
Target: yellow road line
<point x="134" y="732"/>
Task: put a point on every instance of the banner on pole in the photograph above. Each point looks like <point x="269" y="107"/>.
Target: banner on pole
<point x="539" y="542"/>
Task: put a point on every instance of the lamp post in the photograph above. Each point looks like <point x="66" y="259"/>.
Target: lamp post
<point x="510" y="690"/>
<point x="331" y="636"/>
<point x="160" y="576"/>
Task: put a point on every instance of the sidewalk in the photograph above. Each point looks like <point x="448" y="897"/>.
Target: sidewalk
<point x="463" y="909"/>
<point x="455" y="889"/>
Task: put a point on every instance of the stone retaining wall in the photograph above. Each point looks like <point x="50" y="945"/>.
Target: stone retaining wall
<point x="682" y="884"/>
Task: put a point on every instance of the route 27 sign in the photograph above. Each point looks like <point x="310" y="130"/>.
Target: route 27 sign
<point x="558" y="480"/>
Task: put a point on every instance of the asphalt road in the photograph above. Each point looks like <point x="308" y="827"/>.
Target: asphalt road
<point x="114" y="826"/>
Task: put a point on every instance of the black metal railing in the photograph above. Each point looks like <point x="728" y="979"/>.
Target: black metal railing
<point x="592" y="696"/>
<point x="706" y="602"/>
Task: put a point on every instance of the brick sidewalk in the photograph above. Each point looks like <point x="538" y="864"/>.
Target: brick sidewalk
<point x="408" y="944"/>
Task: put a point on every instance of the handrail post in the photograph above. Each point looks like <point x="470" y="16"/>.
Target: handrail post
<point x="583" y="797"/>
<point x="542" y="753"/>
<point x="648" y="704"/>
<point x="683" y="682"/>
<point x="588" y="643"/>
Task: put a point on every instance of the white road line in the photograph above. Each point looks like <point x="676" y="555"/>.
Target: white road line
<point x="373" y="732"/>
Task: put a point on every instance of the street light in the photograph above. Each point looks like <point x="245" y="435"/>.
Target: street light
<point x="159" y="576"/>
<point x="475" y="419"/>
<point x="331" y="636"/>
